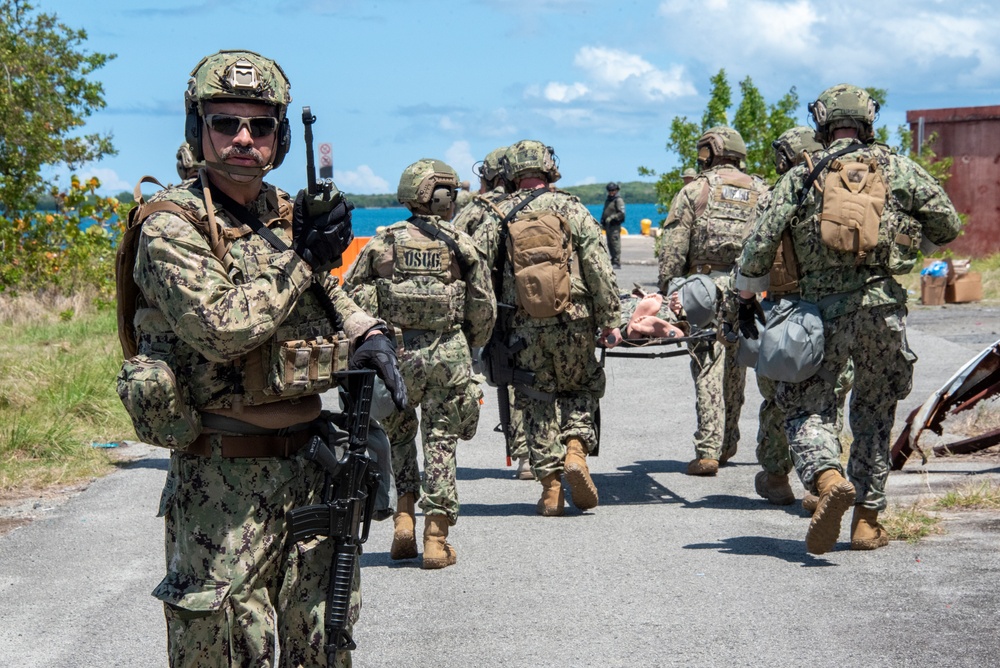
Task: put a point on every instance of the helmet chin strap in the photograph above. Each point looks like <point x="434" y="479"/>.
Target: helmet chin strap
<point x="231" y="171"/>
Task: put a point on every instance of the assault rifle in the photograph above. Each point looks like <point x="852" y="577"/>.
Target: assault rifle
<point x="498" y="367"/>
<point x="345" y="514"/>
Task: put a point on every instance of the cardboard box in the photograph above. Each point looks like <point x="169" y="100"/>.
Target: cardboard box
<point x="967" y="287"/>
<point x="957" y="267"/>
<point x="932" y="290"/>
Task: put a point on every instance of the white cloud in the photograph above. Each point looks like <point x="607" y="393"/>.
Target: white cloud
<point x="614" y="69"/>
<point x="905" y="46"/>
<point x="557" y="92"/>
<point x="446" y="123"/>
<point x="361" y="180"/>
<point x="459" y="156"/>
<point x="587" y="180"/>
<point x="616" y="76"/>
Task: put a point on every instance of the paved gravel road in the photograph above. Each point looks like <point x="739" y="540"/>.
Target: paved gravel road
<point x="669" y="570"/>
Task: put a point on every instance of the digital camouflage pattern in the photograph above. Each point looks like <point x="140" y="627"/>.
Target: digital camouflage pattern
<point x="594" y="292"/>
<point x="220" y="321"/>
<point x="708" y="220"/>
<point x="489" y="171"/>
<point x="561" y="349"/>
<point x="418" y="181"/>
<point x="841" y="106"/>
<point x="914" y="197"/>
<point x="703" y="233"/>
<point x="723" y="143"/>
<point x="239" y="75"/>
<point x="232" y="586"/>
<point x="479" y="208"/>
<point x="773" y="453"/>
<point x="791" y="144"/>
<point x="435" y="358"/>
<point x="864" y="316"/>
<point x="234" y="594"/>
<point x="875" y="339"/>
<point x="529" y="158"/>
<point x="719" y="384"/>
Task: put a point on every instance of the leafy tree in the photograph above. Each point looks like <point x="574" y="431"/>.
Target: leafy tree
<point x="44" y="98"/>
<point x="758" y="123"/>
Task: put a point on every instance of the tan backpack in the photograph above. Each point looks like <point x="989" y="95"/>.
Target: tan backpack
<point x="540" y="250"/>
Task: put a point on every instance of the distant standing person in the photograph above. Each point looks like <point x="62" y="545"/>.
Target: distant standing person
<point x="611" y="222"/>
<point x="689" y="175"/>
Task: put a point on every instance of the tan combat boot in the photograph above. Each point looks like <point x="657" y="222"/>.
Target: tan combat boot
<point x="581" y="487"/>
<point x="809" y="502"/>
<point x="404" y="539"/>
<point x="703" y="467"/>
<point x="866" y="532"/>
<point x="836" y="495"/>
<point x="552" y="501"/>
<point x="774" y="488"/>
<point x="437" y="552"/>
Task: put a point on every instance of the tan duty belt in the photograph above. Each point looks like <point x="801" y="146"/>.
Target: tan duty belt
<point x="251" y="446"/>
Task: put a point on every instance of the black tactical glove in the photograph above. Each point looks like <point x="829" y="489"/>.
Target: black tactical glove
<point x="748" y="313"/>
<point x="379" y="353"/>
<point x="321" y="228"/>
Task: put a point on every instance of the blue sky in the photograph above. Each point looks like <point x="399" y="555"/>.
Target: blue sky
<point x="392" y="81"/>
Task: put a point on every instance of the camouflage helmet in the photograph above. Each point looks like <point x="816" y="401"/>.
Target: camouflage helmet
<point x="790" y="145"/>
<point x="842" y="106"/>
<point x="489" y="169"/>
<point x="243" y="76"/>
<point x="528" y="158"/>
<point x="689" y="173"/>
<point x="428" y="186"/>
<point x="721" y="143"/>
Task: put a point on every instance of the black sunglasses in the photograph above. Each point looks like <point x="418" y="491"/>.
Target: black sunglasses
<point x="257" y="126"/>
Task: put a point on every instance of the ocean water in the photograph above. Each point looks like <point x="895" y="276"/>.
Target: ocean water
<point x="366" y="221"/>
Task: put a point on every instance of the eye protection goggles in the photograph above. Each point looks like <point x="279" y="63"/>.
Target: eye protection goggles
<point x="257" y="126"/>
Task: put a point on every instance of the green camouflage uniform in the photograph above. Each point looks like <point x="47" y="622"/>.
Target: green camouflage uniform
<point x="611" y="222"/>
<point x="441" y="310"/>
<point x="477" y="210"/>
<point x="234" y="593"/>
<point x="864" y="314"/>
<point x="560" y="350"/>
<point x="772" y="452"/>
<point x="703" y="233"/>
<point x="468" y="220"/>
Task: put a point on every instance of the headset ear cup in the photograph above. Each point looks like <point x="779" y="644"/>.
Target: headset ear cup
<point x="192" y="134"/>
<point x="283" y="143"/>
<point x="441" y="201"/>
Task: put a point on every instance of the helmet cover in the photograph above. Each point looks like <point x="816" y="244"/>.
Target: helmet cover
<point x="529" y="157"/>
<point x="419" y="181"/>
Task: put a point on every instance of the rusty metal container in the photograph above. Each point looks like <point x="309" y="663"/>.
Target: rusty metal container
<point x="970" y="135"/>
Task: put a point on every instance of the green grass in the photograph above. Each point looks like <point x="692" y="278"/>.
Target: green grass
<point x="909" y="523"/>
<point x="58" y="397"/>
<point x="978" y="495"/>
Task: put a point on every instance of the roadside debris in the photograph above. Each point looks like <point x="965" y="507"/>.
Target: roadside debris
<point x="977" y="380"/>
